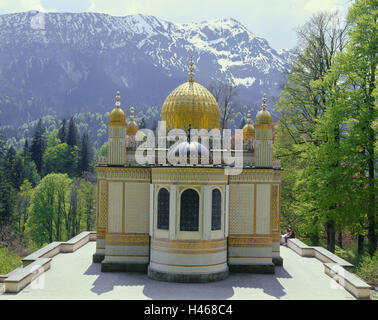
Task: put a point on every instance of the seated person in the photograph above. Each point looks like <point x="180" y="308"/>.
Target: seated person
<point x="289" y="234"/>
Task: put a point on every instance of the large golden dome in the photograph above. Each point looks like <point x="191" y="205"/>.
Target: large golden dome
<point x="191" y="103"/>
<point x="117" y="117"/>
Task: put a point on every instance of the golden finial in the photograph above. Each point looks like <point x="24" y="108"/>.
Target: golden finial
<point x="249" y="117"/>
<point x="191" y="75"/>
<point x="118" y="100"/>
<point x="264" y="102"/>
<point x="132" y="113"/>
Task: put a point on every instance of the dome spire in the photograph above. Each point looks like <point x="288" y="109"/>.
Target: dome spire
<point x="249" y="117"/>
<point x="132" y="127"/>
<point x="117" y="117"/>
<point x="264" y="116"/>
<point x="191" y="75"/>
<point x="118" y="100"/>
<point x="264" y="102"/>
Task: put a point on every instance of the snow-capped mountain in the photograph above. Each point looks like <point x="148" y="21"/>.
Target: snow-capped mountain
<point x="65" y="63"/>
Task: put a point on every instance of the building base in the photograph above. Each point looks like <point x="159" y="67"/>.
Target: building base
<point x="187" y="278"/>
<point x="97" y="258"/>
<point x="123" y="267"/>
<point x="252" y="268"/>
<point x="278" y="261"/>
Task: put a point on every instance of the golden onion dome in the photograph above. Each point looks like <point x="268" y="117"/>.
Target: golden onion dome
<point x="264" y="116"/>
<point x="191" y="103"/>
<point x="117" y="117"/>
<point x="249" y="129"/>
<point x="132" y="127"/>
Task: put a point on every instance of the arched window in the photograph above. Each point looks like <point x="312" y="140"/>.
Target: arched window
<point x="163" y="209"/>
<point x="216" y="210"/>
<point x="189" y="211"/>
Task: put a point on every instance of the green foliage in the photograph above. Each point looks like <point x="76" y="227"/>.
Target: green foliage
<point x="60" y="208"/>
<point x="21" y="209"/>
<point x="48" y="205"/>
<point x="52" y="139"/>
<point x="55" y="158"/>
<point x="103" y="151"/>
<point x="8" y="261"/>
<point x="308" y="185"/>
<point x="368" y="269"/>
<point x="31" y="173"/>
<point x="326" y="138"/>
<point x="347" y="255"/>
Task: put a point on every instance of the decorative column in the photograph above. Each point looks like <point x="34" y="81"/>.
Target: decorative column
<point x="117" y="135"/>
<point x="152" y="195"/>
<point x="264" y="138"/>
<point x="207" y="201"/>
<point x="227" y="210"/>
<point x="172" y="211"/>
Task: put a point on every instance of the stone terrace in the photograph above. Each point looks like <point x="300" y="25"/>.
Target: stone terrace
<point x="74" y="276"/>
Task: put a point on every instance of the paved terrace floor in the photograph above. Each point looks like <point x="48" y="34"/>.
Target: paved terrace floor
<point x="74" y="276"/>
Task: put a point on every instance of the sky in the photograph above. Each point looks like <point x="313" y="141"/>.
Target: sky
<point x="274" y="20"/>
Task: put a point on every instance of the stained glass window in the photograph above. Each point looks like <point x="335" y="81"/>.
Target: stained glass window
<point x="163" y="209"/>
<point x="189" y="211"/>
<point x="216" y="212"/>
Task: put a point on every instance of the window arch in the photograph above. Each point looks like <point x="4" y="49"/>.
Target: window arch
<point x="189" y="211"/>
<point x="216" y="210"/>
<point x="163" y="209"/>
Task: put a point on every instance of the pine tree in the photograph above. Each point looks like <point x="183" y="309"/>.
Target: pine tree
<point x="6" y="190"/>
<point x="3" y="150"/>
<point x="14" y="168"/>
<point x="62" y="133"/>
<point x="84" y="155"/>
<point x="7" y="194"/>
<point x="26" y="151"/>
<point x="30" y="171"/>
<point x="38" y="145"/>
<point x="72" y="134"/>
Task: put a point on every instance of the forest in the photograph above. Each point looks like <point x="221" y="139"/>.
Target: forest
<point x="326" y="136"/>
<point x="47" y="191"/>
<point x="325" y="139"/>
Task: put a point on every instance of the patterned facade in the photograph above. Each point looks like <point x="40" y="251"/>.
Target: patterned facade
<point x="182" y="222"/>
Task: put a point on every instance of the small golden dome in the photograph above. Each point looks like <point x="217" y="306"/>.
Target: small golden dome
<point x="249" y="129"/>
<point x="117" y="116"/>
<point x="264" y="116"/>
<point x="191" y="103"/>
<point x="132" y="127"/>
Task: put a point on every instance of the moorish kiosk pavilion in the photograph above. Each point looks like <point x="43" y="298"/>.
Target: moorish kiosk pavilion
<point x="184" y="222"/>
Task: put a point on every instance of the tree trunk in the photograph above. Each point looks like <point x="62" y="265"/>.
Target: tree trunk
<point x="360" y="244"/>
<point x="330" y="225"/>
<point x="314" y="236"/>
<point x="372" y="236"/>
<point x="340" y="239"/>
